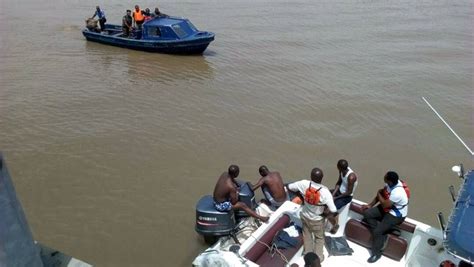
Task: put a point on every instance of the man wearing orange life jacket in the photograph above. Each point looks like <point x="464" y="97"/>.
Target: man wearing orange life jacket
<point x="393" y="209"/>
<point x="138" y="17"/>
<point x="316" y="198"/>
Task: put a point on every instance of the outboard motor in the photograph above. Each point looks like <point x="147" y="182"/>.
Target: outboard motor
<point x="247" y="196"/>
<point x="211" y="223"/>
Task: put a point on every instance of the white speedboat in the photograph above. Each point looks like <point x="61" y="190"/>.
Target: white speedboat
<point x="413" y="244"/>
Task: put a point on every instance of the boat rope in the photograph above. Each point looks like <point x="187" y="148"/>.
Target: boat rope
<point x="270" y="249"/>
<point x="447" y="125"/>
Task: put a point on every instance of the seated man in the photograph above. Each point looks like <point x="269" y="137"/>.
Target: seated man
<point x="272" y="187"/>
<point x="393" y="209"/>
<point x="345" y="186"/>
<point x="158" y="14"/>
<point x="226" y="195"/>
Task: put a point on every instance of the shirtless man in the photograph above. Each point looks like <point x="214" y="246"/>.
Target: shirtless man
<point x="272" y="187"/>
<point x="226" y="196"/>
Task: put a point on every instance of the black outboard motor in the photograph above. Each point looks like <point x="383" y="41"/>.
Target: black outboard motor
<point x="247" y="196"/>
<point x="212" y="223"/>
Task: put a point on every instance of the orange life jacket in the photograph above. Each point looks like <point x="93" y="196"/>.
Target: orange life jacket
<point x="386" y="194"/>
<point x="137" y="15"/>
<point x="312" y="195"/>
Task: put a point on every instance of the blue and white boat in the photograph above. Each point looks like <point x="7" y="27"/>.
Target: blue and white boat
<point x="171" y="35"/>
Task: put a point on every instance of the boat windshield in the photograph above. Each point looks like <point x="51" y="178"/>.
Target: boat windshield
<point x="192" y="26"/>
<point x="179" y="31"/>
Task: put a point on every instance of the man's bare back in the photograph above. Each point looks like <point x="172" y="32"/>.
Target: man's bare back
<point x="225" y="190"/>
<point x="275" y="185"/>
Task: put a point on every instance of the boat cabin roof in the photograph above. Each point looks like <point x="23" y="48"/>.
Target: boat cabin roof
<point x="164" y="21"/>
<point x="168" y="28"/>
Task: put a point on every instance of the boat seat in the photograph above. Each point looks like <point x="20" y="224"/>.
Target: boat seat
<point x="359" y="233"/>
<point x="404" y="226"/>
<point x="260" y="254"/>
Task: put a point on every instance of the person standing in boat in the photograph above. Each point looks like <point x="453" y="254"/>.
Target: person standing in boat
<point x="146" y="14"/>
<point x="127" y="23"/>
<point x="138" y="17"/>
<point x="345" y="186"/>
<point x="101" y="16"/>
<point x="226" y="194"/>
<point x="272" y="187"/>
<point x="392" y="211"/>
<point x="158" y="14"/>
<point x="316" y="198"/>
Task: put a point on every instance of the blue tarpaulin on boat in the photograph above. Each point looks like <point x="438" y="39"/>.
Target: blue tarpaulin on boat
<point x="460" y="230"/>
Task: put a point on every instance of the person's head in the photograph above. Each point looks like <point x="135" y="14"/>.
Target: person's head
<point x="317" y="175"/>
<point x="147" y="10"/>
<point x="233" y="171"/>
<point x="129" y="12"/>
<point x="157" y="10"/>
<point x="342" y="165"/>
<point x="97" y="8"/>
<point x="137" y="7"/>
<point x="311" y="260"/>
<point x="464" y="264"/>
<point x="391" y="178"/>
<point x="263" y="170"/>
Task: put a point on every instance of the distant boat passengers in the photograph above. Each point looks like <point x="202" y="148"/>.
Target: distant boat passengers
<point x="138" y="17"/>
<point x="130" y="20"/>
<point x="127" y="23"/>
<point x="101" y="16"/>
<point x="158" y="14"/>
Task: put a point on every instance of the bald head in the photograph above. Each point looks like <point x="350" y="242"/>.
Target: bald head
<point x="342" y="165"/>
<point x="263" y="170"/>
<point x="317" y="175"/>
<point x="233" y="171"/>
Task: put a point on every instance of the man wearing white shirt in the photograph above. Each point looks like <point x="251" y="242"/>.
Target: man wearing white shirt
<point x="392" y="211"/>
<point x="316" y="198"/>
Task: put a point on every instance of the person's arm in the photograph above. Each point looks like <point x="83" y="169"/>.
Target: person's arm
<point x="260" y="182"/>
<point x="95" y="13"/>
<point x="374" y="201"/>
<point x="331" y="206"/>
<point x="386" y="203"/>
<point x="292" y="187"/>
<point x="338" y="185"/>
<point x="234" y="197"/>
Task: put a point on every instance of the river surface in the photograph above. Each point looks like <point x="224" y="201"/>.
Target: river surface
<point x="110" y="149"/>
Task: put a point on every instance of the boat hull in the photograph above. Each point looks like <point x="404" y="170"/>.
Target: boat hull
<point x="193" y="46"/>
